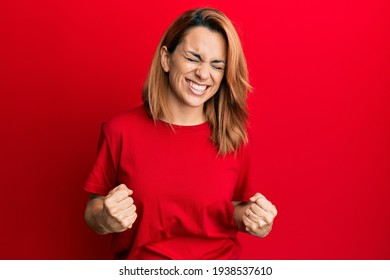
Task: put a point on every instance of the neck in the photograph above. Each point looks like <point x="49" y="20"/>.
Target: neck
<point x="185" y="116"/>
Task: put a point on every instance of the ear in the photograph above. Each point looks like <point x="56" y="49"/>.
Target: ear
<point x="164" y="54"/>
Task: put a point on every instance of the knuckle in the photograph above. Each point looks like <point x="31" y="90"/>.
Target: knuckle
<point x="253" y="227"/>
<point x="111" y="210"/>
<point x="124" y="223"/>
<point x="130" y="200"/>
<point x="275" y="211"/>
<point x="264" y="223"/>
<point x="112" y="213"/>
<point x="268" y="219"/>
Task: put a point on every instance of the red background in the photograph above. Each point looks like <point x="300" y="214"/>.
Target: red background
<point x="320" y="111"/>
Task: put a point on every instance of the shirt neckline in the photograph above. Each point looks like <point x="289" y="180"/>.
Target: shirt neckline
<point x="195" y="127"/>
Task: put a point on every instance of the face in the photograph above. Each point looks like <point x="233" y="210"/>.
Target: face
<point x="195" y="69"/>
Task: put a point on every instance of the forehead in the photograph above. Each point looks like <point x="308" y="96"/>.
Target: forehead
<point x="207" y="43"/>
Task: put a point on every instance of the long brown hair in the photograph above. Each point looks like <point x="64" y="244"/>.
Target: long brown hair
<point x="226" y="111"/>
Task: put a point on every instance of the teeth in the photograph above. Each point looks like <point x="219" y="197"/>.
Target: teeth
<point x="196" y="86"/>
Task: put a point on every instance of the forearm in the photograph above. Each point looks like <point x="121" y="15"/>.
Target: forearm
<point x="93" y="214"/>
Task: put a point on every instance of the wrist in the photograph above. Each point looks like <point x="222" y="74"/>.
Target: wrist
<point x="101" y="222"/>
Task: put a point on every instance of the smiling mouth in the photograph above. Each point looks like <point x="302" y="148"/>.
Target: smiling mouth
<point x="196" y="88"/>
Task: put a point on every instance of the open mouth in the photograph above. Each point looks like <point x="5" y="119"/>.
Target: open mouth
<point x="197" y="88"/>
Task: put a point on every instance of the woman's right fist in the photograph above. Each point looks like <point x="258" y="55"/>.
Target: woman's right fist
<point x="118" y="209"/>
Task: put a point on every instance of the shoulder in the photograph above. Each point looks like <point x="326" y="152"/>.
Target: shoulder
<point x="133" y="119"/>
<point x="132" y="116"/>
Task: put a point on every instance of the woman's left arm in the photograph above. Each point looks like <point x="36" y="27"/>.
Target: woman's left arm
<point x="256" y="216"/>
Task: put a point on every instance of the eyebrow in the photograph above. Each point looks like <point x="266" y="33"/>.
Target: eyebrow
<point x="198" y="56"/>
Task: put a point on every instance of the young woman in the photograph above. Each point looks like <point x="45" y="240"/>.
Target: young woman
<point x="172" y="179"/>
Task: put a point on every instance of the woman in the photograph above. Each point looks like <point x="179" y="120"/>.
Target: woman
<point x="172" y="179"/>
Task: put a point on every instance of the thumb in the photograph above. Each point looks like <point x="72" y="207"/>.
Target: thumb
<point x="125" y="188"/>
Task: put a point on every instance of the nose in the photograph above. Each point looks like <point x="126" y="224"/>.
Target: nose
<point x="202" y="72"/>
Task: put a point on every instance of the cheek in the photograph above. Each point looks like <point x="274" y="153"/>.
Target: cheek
<point x="175" y="79"/>
<point x="177" y="72"/>
<point x="218" y="79"/>
<point x="179" y="67"/>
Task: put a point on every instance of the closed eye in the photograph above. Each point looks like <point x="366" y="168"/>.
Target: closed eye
<point x="217" y="67"/>
<point x="191" y="60"/>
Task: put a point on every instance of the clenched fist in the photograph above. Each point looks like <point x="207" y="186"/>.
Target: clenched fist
<point x="115" y="212"/>
<point x="259" y="217"/>
<point x="119" y="209"/>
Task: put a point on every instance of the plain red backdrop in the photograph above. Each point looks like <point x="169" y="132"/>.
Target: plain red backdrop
<point x="320" y="112"/>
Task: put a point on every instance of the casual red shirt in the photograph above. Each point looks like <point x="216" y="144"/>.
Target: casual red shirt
<point x="182" y="190"/>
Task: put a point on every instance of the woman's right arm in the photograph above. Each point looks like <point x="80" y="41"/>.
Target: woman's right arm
<point x="115" y="212"/>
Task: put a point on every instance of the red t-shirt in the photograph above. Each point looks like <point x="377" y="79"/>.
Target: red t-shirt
<point x="182" y="190"/>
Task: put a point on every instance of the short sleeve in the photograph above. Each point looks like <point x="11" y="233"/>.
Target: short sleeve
<point x="103" y="175"/>
<point x="245" y="187"/>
